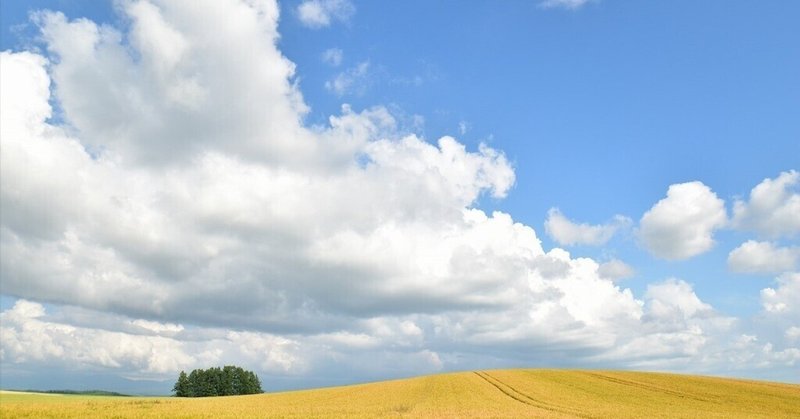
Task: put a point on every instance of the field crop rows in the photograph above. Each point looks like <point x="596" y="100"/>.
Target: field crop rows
<point x="483" y="394"/>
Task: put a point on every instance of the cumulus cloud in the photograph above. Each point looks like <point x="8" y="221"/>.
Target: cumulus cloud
<point x="782" y="300"/>
<point x="682" y="224"/>
<point x="567" y="233"/>
<point x="30" y="335"/>
<point x="186" y="208"/>
<point x="763" y="258"/>
<point x="675" y="299"/>
<point x="286" y="231"/>
<point x="782" y="316"/>
<point x="615" y="270"/>
<point x="675" y="327"/>
<point x="27" y="337"/>
<point x="773" y="209"/>
<point x="563" y="4"/>
<point x="186" y="88"/>
<point x="317" y="14"/>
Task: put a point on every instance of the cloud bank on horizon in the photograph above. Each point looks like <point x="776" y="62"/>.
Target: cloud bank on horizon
<point x="179" y="212"/>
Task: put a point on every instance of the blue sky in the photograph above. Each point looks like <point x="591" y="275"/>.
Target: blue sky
<point x="344" y="239"/>
<point x="601" y="107"/>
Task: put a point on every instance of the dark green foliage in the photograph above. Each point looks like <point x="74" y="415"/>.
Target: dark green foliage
<point x="181" y="388"/>
<point x="225" y="381"/>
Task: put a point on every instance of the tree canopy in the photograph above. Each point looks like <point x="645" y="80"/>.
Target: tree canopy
<point x="226" y="381"/>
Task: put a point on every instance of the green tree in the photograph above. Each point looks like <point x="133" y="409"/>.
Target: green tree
<point x="225" y="381"/>
<point x="181" y="388"/>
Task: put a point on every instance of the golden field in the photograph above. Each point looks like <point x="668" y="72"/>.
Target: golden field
<point x="482" y="394"/>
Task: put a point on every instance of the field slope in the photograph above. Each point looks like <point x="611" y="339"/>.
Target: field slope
<point x="487" y="394"/>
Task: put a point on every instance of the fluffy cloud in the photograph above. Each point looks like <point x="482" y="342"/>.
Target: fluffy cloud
<point x="293" y="229"/>
<point x="186" y="89"/>
<point x="185" y="209"/>
<point x="782" y="300"/>
<point x="317" y="14"/>
<point x="781" y="318"/>
<point x="773" y="209"/>
<point x="563" y="4"/>
<point x="27" y="337"/>
<point x="676" y="329"/>
<point x="675" y="299"/>
<point x="615" y="270"/>
<point x="567" y="233"/>
<point x="763" y="258"/>
<point x="31" y="335"/>
<point x="682" y="224"/>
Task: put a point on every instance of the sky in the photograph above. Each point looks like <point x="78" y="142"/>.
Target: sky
<point x="335" y="191"/>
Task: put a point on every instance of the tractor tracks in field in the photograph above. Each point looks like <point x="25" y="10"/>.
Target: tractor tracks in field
<point x="649" y="387"/>
<point x="521" y="397"/>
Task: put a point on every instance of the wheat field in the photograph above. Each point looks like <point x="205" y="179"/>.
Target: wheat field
<point x="480" y="394"/>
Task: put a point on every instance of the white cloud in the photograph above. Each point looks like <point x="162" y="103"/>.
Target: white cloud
<point x="793" y="334"/>
<point x="144" y="240"/>
<point x="563" y="4"/>
<point x="674" y="299"/>
<point x="317" y="14"/>
<point x="568" y="233"/>
<point x="782" y="300"/>
<point x="676" y="328"/>
<point x="615" y="270"/>
<point x="26" y="86"/>
<point x="274" y="353"/>
<point x="463" y="127"/>
<point x="199" y="98"/>
<point x="212" y="226"/>
<point x="682" y="224"/>
<point x="779" y="321"/>
<point x="27" y="337"/>
<point x="773" y="209"/>
<point x="332" y="56"/>
<point x="161" y="329"/>
<point x="763" y="258"/>
<point x="352" y="81"/>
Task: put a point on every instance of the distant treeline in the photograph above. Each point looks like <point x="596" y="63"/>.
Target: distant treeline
<point x="226" y="381"/>
<point x="78" y="392"/>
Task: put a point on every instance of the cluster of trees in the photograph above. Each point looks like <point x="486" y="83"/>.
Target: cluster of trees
<point x="225" y="381"/>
